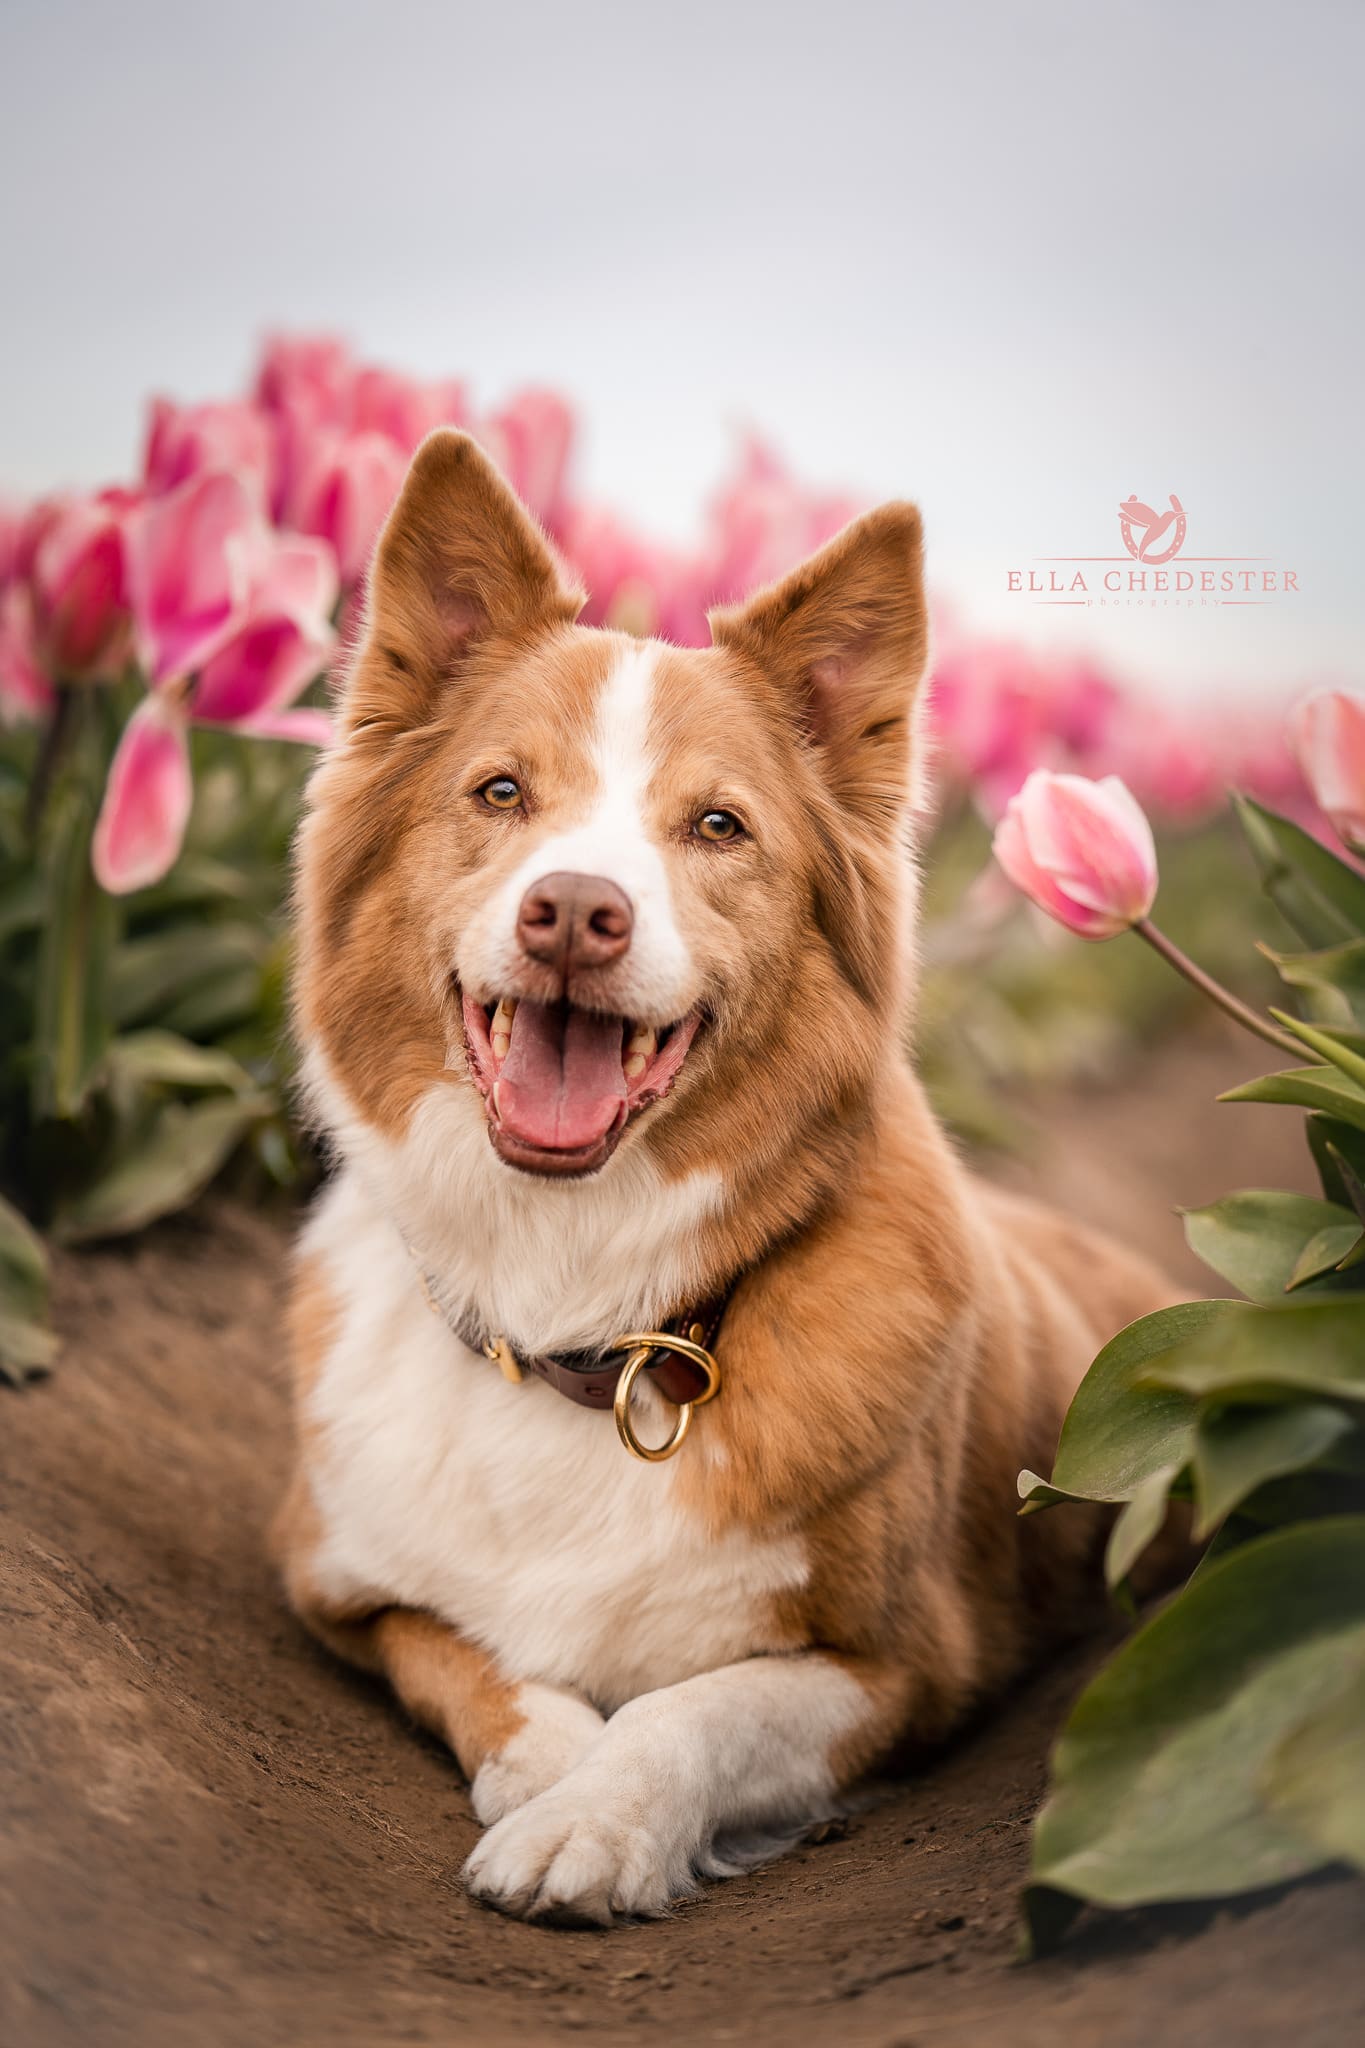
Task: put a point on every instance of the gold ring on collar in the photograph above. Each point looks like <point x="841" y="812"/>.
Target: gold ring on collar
<point x="642" y="1344"/>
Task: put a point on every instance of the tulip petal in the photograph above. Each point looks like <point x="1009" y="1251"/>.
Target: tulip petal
<point x="190" y="558"/>
<point x="299" y="578"/>
<point x="146" y="807"/>
<point x="343" y="493"/>
<point x="285" y="640"/>
<point x="1328" y="735"/>
<point x="308" y="727"/>
<point x="263" y="667"/>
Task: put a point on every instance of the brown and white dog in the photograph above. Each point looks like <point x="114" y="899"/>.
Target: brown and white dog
<point x="605" y="973"/>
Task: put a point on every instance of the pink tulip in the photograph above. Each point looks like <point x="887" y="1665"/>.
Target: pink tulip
<point x="283" y="643"/>
<point x="29" y="537"/>
<point x="280" y="642"/>
<point x="1328" y="735"/>
<point x="1081" y="850"/>
<point x="189" y="566"/>
<point x="311" y="371"/>
<point x="26" y="692"/>
<point x="186" y="440"/>
<point x="763" y="521"/>
<point x="987" y="706"/>
<point x="530" y="439"/>
<point x="80" y="589"/>
<point x="383" y="402"/>
<point x="1171" y="758"/>
<point x="345" y="487"/>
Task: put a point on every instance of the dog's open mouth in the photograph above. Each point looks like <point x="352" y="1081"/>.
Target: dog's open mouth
<point x="559" y="1084"/>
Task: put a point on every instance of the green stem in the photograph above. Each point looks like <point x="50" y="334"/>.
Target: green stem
<point x="52" y="749"/>
<point x="1250" y="1019"/>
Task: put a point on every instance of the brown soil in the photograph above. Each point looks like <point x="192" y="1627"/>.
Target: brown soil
<point x="213" y="1835"/>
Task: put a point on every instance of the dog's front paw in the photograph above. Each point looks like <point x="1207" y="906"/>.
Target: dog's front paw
<point x="581" y="1854"/>
<point x="557" y="1731"/>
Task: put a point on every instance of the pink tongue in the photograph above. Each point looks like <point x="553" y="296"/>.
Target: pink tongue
<point x="561" y="1085"/>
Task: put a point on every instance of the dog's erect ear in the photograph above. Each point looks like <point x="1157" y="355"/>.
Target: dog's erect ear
<point x="459" y="560"/>
<point x="844" y="638"/>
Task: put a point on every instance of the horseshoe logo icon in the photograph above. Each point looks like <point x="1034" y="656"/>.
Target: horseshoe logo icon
<point x="1142" y="528"/>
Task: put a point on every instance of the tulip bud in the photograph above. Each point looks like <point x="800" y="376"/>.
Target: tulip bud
<point x="1080" y="850"/>
<point x="1328" y="735"/>
<point x="80" y="602"/>
<point x="26" y="693"/>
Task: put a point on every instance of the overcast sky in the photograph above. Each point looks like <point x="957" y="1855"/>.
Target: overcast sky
<point x="1018" y="262"/>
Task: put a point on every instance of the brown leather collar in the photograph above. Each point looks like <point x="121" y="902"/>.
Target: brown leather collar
<point x="590" y="1377"/>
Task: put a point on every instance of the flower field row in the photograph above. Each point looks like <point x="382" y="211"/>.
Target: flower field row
<point x="224" y="577"/>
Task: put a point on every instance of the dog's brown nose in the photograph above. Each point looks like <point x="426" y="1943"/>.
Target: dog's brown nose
<point x="574" y="921"/>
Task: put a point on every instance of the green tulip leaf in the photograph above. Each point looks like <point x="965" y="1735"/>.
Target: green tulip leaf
<point x="1321" y="1088"/>
<point x="1315" y="1780"/>
<point x="1236" y="1450"/>
<point x="1320" y="896"/>
<point x="1339" y="1155"/>
<point x="1035" y="1492"/>
<point x="1157" y="1777"/>
<point x="27" y="1344"/>
<point x="1257" y="1238"/>
<point x="220" y="1004"/>
<point x="1330" y="1250"/>
<point x="154" y="972"/>
<point x="1138" y="1521"/>
<point x="1338" y="970"/>
<point x="1309" y="1345"/>
<point x="1334" y="1046"/>
<point x="1120" y="1429"/>
<point x="159" y="1168"/>
<point x="162" y="1059"/>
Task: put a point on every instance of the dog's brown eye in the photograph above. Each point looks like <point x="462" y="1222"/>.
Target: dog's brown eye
<point x="718" y="826"/>
<point x="502" y="793"/>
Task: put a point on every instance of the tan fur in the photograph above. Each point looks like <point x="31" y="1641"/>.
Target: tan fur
<point x="901" y="1339"/>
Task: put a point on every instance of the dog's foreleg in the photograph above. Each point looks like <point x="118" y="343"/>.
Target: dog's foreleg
<point x="511" y="1739"/>
<point x="698" y="1779"/>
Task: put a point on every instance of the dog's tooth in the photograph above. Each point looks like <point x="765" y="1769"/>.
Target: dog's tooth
<point x="643" y="1042"/>
<point x="496" y="1087"/>
<point x="501" y="1044"/>
<point x="635" y="1066"/>
<point x="501" y="1025"/>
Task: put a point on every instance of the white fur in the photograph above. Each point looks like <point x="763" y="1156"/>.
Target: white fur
<point x="701" y="1779"/>
<point x="557" y="1731"/>
<point x="657" y="981"/>
<point x="550" y="1265"/>
<point x="506" y="1510"/>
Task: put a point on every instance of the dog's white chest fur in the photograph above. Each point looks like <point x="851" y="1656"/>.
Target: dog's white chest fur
<point x="506" y="1510"/>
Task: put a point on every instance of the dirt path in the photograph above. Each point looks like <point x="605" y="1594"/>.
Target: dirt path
<point x="212" y="1835"/>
